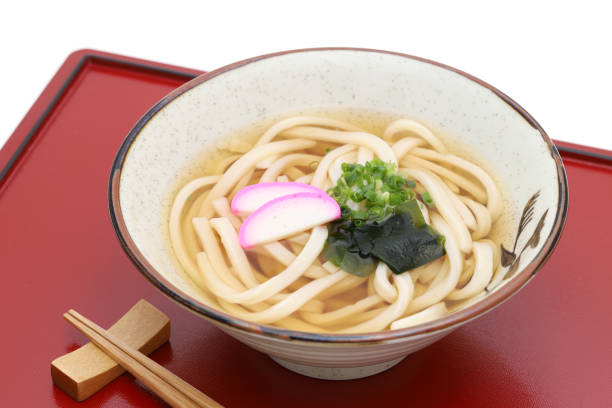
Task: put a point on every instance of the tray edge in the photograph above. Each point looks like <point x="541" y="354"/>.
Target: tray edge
<point x="83" y="57"/>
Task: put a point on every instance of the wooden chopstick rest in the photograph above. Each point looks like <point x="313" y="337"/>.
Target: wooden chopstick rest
<point x="85" y="371"/>
<point x="171" y="388"/>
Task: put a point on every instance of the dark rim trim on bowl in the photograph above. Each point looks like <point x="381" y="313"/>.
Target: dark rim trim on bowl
<point x="447" y="322"/>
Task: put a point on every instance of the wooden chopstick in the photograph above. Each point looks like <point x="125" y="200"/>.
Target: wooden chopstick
<point x="168" y="386"/>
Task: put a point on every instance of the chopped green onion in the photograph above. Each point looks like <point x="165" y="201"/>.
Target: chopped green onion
<point x="350" y="177"/>
<point x="372" y="185"/>
<point x="395" y="199"/>
<point x="360" y="215"/>
<point x="427" y="199"/>
<point x="357" y="196"/>
<point x="375" y="212"/>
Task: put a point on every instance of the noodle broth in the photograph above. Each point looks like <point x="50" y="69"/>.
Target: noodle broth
<point x="244" y="283"/>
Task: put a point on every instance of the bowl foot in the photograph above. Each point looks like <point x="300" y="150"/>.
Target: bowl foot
<point x="337" y="373"/>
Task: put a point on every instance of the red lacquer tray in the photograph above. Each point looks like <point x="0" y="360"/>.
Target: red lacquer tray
<point x="549" y="346"/>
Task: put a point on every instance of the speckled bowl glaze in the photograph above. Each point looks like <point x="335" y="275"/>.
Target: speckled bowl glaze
<point x="171" y="141"/>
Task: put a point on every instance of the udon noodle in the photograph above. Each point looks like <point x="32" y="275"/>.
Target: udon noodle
<point x="287" y="283"/>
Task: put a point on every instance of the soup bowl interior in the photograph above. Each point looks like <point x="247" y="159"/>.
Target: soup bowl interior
<point x="180" y="137"/>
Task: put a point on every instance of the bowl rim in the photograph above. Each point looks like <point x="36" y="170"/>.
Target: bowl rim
<point x="445" y="323"/>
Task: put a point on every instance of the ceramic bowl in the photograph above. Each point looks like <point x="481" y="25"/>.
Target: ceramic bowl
<point x="170" y="143"/>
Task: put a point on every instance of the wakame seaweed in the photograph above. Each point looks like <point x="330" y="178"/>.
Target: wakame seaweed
<point x="403" y="241"/>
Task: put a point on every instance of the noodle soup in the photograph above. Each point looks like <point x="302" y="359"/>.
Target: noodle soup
<point x="416" y="235"/>
<point x="293" y="263"/>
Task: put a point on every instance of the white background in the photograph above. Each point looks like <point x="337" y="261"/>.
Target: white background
<point x="553" y="58"/>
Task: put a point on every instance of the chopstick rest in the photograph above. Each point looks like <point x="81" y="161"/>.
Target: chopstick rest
<point x="169" y="387"/>
<point x="83" y="372"/>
